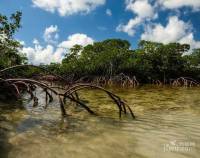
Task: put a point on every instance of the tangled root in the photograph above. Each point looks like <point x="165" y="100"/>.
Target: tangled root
<point x="184" y="81"/>
<point x="119" y="80"/>
<point x="17" y="86"/>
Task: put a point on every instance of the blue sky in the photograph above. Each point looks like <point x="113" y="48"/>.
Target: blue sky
<point x="51" y="27"/>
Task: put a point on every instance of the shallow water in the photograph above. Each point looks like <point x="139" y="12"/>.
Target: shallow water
<point x="167" y="126"/>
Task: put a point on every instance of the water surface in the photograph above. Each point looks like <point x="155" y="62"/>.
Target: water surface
<point x="167" y="126"/>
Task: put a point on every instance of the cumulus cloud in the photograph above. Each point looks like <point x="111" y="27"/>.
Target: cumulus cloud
<point x="173" y="4"/>
<point x="129" y="28"/>
<point x="51" y="34"/>
<point x="189" y="39"/>
<point x="176" y="30"/>
<point x="143" y="11"/>
<point x="35" y="41"/>
<point x="45" y="55"/>
<point x="77" y="38"/>
<point x="142" y="8"/>
<point x="68" y="7"/>
<point x="147" y="10"/>
<point x="173" y="31"/>
<point x="108" y="12"/>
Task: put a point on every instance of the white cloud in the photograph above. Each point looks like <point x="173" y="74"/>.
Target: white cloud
<point x="39" y="54"/>
<point x="130" y="26"/>
<point x="189" y="39"/>
<point x="108" y="12"/>
<point x="142" y="8"/>
<point x="175" y="31"/>
<point x="45" y="55"/>
<point x="68" y="7"/>
<point x="77" y="38"/>
<point x="51" y="34"/>
<point x="35" y="41"/>
<point x="143" y="11"/>
<point x="173" y="4"/>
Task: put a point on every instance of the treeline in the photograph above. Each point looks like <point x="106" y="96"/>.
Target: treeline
<point x="149" y="62"/>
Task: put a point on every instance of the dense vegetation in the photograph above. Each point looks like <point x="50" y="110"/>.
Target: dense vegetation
<point x="150" y="61"/>
<point x="9" y="47"/>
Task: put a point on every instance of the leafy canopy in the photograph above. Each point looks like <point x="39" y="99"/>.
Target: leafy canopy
<point x="9" y="47"/>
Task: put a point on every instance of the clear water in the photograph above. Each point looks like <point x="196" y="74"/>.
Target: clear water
<point x="167" y="126"/>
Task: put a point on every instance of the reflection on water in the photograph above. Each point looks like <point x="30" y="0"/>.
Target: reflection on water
<point x="167" y="125"/>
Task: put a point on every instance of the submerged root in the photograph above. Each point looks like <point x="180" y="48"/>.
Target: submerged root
<point x="122" y="106"/>
<point x="18" y="86"/>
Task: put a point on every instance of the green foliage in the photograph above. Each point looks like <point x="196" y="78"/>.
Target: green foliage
<point x="192" y="66"/>
<point x="9" y="47"/>
<point x="159" y="61"/>
<point x="151" y="61"/>
<point x="101" y="58"/>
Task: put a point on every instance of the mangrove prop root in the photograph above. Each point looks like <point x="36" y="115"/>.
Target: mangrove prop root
<point x="184" y="81"/>
<point x="19" y="85"/>
<point x="121" y="80"/>
<point x="157" y="82"/>
<point x="35" y="101"/>
<point x="117" y="100"/>
<point x="62" y="107"/>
